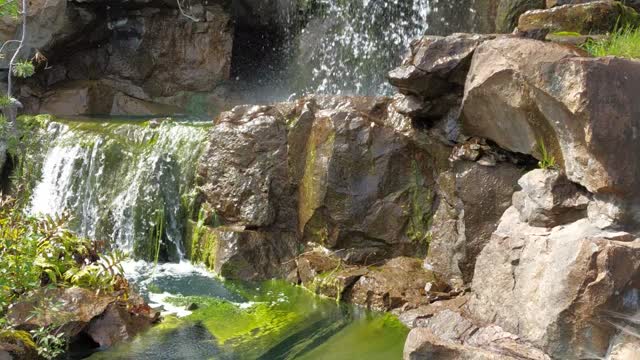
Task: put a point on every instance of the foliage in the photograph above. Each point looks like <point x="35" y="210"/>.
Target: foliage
<point x="23" y="69"/>
<point x="43" y="252"/>
<point x="9" y="8"/>
<point x="624" y="42"/>
<point x="547" y="161"/>
<point x="4" y="101"/>
<point x="49" y="343"/>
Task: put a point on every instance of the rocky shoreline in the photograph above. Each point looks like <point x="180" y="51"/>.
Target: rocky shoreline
<point x="490" y="203"/>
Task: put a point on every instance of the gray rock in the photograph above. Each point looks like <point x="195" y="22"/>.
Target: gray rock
<point x="548" y="199"/>
<point x="477" y="196"/>
<point x="549" y="285"/>
<point x="450" y="335"/>
<point x="520" y="92"/>
<point x="436" y="66"/>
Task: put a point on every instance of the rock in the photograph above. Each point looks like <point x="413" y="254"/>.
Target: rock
<point x="17" y="345"/>
<point x="417" y="317"/>
<point x="399" y="281"/>
<point x="96" y="97"/>
<point x="436" y="66"/>
<point x="548" y="199"/>
<point x="237" y="253"/>
<point x="118" y="323"/>
<point x="333" y="171"/>
<point x="509" y="11"/>
<point x="596" y="17"/>
<point x="127" y="44"/>
<point x="540" y="91"/>
<point x="450" y="335"/>
<point x="77" y="307"/>
<point x="105" y="317"/>
<point x="624" y="347"/>
<point x="245" y="166"/>
<point x="548" y="286"/>
<point x="467" y="216"/>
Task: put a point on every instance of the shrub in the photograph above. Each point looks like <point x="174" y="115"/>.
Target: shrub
<point x="43" y="252"/>
<point x="23" y="69"/>
<point x="624" y="42"/>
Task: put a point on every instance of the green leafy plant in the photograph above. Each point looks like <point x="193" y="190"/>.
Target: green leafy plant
<point x="23" y="69"/>
<point x="50" y="343"/>
<point x="547" y="160"/>
<point x="623" y="42"/>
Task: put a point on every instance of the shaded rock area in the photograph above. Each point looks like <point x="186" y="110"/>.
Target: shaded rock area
<point x="126" y="58"/>
<point x="105" y="318"/>
<point x="329" y="171"/>
<point x="400" y="283"/>
<point x="352" y="175"/>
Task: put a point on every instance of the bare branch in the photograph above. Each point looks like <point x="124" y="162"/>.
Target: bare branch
<point x="15" y="54"/>
<point x="184" y="13"/>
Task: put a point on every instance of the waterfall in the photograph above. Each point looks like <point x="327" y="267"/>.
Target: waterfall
<point x="348" y="47"/>
<point x="129" y="184"/>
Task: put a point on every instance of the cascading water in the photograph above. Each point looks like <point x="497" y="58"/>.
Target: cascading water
<point x="125" y="183"/>
<point x="348" y="46"/>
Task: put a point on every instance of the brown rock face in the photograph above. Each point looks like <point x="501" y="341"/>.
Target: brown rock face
<point x="520" y="92"/>
<point x="331" y="171"/>
<point x="549" y="285"/>
<point x="156" y="60"/>
<point x="596" y="17"/>
<point x="399" y="281"/>
<point x="105" y="317"/>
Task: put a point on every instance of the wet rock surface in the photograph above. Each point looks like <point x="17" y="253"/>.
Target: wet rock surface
<point x="106" y="318"/>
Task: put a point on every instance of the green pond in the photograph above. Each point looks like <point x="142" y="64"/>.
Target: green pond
<point x="268" y="320"/>
<point x="132" y="183"/>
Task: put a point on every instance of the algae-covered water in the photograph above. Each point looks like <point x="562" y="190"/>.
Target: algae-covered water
<point x="269" y="320"/>
<point x="131" y="184"/>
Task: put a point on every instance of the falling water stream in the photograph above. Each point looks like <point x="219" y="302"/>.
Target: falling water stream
<point x="119" y="179"/>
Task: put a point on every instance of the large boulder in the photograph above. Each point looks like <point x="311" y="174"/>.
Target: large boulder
<point x="433" y="73"/>
<point x="106" y="317"/>
<point x="548" y="199"/>
<point x="524" y="93"/>
<point x="449" y="334"/>
<point x="595" y="17"/>
<point x="467" y="215"/>
<point x="331" y="171"/>
<point x="550" y="286"/>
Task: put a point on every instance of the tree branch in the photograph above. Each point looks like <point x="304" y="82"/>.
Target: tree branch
<point x="15" y="54"/>
<point x="185" y="14"/>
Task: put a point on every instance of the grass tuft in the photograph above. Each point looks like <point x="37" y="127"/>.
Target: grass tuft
<point x="624" y="42"/>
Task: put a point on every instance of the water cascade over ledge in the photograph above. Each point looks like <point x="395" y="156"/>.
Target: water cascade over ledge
<point x="126" y="183"/>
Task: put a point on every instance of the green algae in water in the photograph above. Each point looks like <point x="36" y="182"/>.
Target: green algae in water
<point x="273" y="321"/>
